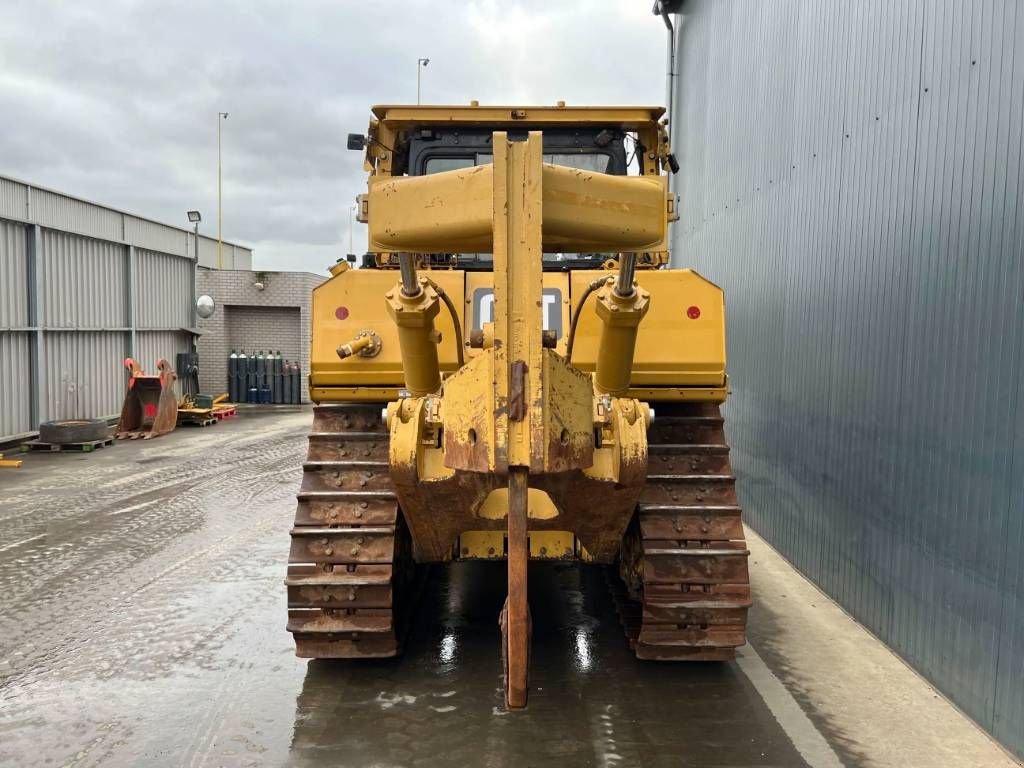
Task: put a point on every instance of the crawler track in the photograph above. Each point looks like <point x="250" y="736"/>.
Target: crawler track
<point x="685" y="589"/>
<point x="350" y="567"/>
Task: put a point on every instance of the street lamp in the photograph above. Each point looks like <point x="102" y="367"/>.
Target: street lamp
<point x="220" y="241"/>
<point x="420" y="63"/>
<point x="195" y="217"/>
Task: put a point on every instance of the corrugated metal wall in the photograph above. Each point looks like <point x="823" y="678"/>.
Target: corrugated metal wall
<point x="13" y="276"/>
<point x="231" y="256"/>
<point x="83" y="374"/>
<point x="151" y="345"/>
<point x="83" y="282"/>
<point x="14" y="383"/>
<point x="14" y="338"/>
<point x="157" y="276"/>
<point x="852" y="178"/>
<point x="81" y="287"/>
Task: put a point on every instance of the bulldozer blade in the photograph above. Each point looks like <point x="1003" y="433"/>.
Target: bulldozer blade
<point x="515" y="616"/>
<point x="150" y="407"/>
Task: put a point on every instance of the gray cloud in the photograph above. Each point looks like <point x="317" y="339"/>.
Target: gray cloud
<point x="117" y="101"/>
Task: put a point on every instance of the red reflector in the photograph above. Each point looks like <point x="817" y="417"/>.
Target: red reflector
<point x="150" y="410"/>
<point x="693" y="312"/>
<point x="341" y="313"/>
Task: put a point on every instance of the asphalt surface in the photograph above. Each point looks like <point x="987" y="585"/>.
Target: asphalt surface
<point x="142" y="619"/>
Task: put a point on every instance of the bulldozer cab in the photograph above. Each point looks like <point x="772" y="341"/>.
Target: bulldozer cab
<point x="436" y="149"/>
<point x="433" y="149"/>
<point x="430" y="140"/>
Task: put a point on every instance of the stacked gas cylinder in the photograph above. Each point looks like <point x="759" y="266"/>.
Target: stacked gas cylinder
<point x="263" y="378"/>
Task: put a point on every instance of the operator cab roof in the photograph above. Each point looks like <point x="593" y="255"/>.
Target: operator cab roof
<point x="396" y="117"/>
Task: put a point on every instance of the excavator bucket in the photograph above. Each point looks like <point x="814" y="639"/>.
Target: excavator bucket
<point x="150" y="407"/>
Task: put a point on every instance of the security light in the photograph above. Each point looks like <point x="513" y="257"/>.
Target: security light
<point x="194" y="217"/>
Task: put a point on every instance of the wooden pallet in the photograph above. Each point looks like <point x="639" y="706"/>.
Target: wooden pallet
<point x="196" y="422"/>
<point x="204" y="417"/>
<point x="87" y="447"/>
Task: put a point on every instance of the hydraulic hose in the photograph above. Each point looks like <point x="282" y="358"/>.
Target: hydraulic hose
<point x="455" y="319"/>
<point x="576" y="313"/>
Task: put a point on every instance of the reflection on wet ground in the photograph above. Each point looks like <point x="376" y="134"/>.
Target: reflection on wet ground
<point x="142" y="621"/>
<point x="591" y="703"/>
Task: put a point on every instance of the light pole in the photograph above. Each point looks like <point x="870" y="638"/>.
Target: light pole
<point x="195" y="217"/>
<point x="220" y="240"/>
<point x="420" y="63"/>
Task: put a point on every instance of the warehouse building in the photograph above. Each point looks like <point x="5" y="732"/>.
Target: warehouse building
<point x="852" y="177"/>
<point x="82" y="286"/>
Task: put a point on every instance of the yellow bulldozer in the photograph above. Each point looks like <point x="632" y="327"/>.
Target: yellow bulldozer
<point x="516" y="374"/>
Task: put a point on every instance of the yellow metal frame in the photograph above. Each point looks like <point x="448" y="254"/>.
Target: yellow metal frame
<point x="353" y="301"/>
<point x="647" y="394"/>
<point x="676" y="358"/>
<point x="543" y="545"/>
<point x="451" y="211"/>
<point x="517" y="407"/>
<point x="673" y="350"/>
<point x="390" y="121"/>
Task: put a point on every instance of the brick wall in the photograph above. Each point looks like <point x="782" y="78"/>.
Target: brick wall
<point x="268" y="329"/>
<point x="248" y="317"/>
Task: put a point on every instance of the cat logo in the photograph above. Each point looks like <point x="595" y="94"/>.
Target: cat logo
<point x="483" y="309"/>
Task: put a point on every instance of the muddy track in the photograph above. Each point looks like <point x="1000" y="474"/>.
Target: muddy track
<point x="350" y="564"/>
<point x="684" y="589"/>
<point x="110" y="546"/>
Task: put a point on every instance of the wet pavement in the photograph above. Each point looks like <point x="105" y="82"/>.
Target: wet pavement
<point x="142" y="619"/>
<point x="591" y="702"/>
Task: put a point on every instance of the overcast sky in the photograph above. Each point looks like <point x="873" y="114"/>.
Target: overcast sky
<point x="117" y="101"/>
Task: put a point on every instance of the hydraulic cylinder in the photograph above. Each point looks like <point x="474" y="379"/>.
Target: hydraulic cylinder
<point x="413" y="305"/>
<point x="621" y="306"/>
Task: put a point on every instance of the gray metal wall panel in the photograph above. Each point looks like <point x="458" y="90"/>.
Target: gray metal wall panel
<point x="14" y="383"/>
<point x="13" y="276"/>
<point x="52" y="209"/>
<point x="852" y="177"/>
<point x="232" y="257"/>
<point x="13" y="199"/>
<point x="163" y="290"/>
<point x="84" y="374"/>
<point x="156" y="237"/>
<point x="83" y="282"/>
<point x="22" y="201"/>
<point x="156" y="345"/>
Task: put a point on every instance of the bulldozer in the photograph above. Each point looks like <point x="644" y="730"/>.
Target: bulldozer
<point x="515" y="373"/>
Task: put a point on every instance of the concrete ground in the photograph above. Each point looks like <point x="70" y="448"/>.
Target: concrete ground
<point x="142" y="623"/>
